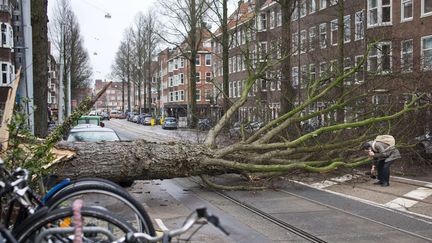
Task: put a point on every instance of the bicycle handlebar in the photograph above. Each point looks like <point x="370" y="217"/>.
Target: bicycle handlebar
<point x="200" y="213"/>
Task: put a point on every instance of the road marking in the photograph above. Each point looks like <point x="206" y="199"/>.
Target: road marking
<point x="333" y="181"/>
<point x="420" y="193"/>
<point x="161" y="224"/>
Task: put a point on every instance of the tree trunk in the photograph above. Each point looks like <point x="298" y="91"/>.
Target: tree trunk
<point x="134" y="160"/>
<point x="40" y="66"/>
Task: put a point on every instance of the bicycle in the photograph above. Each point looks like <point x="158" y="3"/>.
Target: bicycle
<point x="167" y="236"/>
<point x="61" y="195"/>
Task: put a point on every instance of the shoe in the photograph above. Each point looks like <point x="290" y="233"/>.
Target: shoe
<point x="385" y="184"/>
<point x="378" y="183"/>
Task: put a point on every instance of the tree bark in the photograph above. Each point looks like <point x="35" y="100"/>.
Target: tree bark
<point x="134" y="160"/>
<point x="40" y="66"/>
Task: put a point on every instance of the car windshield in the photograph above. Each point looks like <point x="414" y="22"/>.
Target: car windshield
<point x="170" y="119"/>
<point x="92" y="136"/>
<point x="88" y="121"/>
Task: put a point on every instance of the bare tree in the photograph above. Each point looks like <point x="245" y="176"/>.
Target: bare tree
<point x="76" y="58"/>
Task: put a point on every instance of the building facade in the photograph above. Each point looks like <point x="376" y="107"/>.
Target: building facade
<point x="399" y="62"/>
<point x="112" y="99"/>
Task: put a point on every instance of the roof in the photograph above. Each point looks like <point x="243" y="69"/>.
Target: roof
<point x="242" y="14"/>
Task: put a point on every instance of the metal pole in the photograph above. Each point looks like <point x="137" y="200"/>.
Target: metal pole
<point x="69" y="98"/>
<point x="61" y="88"/>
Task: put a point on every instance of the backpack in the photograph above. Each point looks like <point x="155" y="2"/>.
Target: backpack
<point x="387" y="139"/>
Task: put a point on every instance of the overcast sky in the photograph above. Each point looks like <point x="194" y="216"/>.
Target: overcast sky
<point x="102" y="36"/>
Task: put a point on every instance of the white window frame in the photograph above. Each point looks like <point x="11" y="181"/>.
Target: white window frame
<point x="263" y="50"/>
<point x="323" y="4"/>
<point x="303" y="41"/>
<point x="423" y="13"/>
<point x="357" y="60"/>
<point x="294" y="40"/>
<point x="359" y="26"/>
<point x="323" y="45"/>
<point x="334" y="32"/>
<point x="379" y="8"/>
<point x="272" y="19"/>
<point x="312" y="6"/>
<point x="263" y="22"/>
<point x="303" y="8"/>
<point x="208" y="75"/>
<point x="198" y="60"/>
<point x="404" y="53"/>
<point x="425" y="68"/>
<point x="198" y="93"/>
<point x="208" y="57"/>
<point x="403" y="2"/>
<point x="379" y="57"/>
<point x="279" y="17"/>
<point x="295" y="76"/>
<point x="347" y="28"/>
<point x="312" y="67"/>
<point x="199" y="77"/>
<point x="312" y="38"/>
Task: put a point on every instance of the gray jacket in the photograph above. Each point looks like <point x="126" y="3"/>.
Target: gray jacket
<point x="384" y="151"/>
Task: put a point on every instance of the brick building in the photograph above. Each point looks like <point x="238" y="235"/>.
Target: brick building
<point x="175" y="79"/>
<point x="7" y="55"/>
<point x="112" y="99"/>
<point x="399" y="63"/>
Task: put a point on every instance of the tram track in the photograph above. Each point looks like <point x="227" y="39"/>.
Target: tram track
<point x="301" y="233"/>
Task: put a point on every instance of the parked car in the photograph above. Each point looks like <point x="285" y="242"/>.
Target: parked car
<point x="170" y="123"/>
<point x="91" y="133"/>
<point x="130" y="115"/>
<point x="105" y="116"/>
<point x="142" y="117"/>
<point x="135" y="118"/>
<point x="204" y="124"/>
<point x="147" y="120"/>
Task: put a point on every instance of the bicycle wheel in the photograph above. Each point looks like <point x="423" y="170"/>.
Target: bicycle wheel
<point x="107" y="195"/>
<point x="104" y="226"/>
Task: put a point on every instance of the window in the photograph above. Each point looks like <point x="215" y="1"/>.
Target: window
<point x="347" y="29"/>
<point x="323" y="69"/>
<point x="323" y="4"/>
<point x="279" y="17"/>
<point x="229" y="65"/>
<point x="230" y="93"/>
<point x="198" y="95"/>
<point x="407" y="55"/>
<point x="312" y="6"/>
<point x="379" y="59"/>
<point x="263" y="50"/>
<point x="176" y="96"/>
<point x="379" y="12"/>
<point x="294" y="43"/>
<point x="235" y="89"/>
<point x="181" y="95"/>
<point x="263" y="22"/>
<point x="323" y="35"/>
<point x="347" y="68"/>
<point x="208" y="59"/>
<point x="4" y="74"/>
<point x="303" y="39"/>
<point x="181" y="62"/>
<point x="197" y="77"/>
<point x="426" y="47"/>
<point x="303" y="75"/>
<point x="234" y="64"/>
<point x="171" y="96"/>
<point x="272" y="19"/>
<point x="303" y="8"/>
<point x="239" y="63"/>
<point x="295" y="76"/>
<point x="208" y="77"/>
<point x="175" y="64"/>
<point x="312" y="38"/>
<point x="359" y="25"/>
<point x="426" y="7"/>
<point x="406" y="10"/>
<point x="170" y="81"/>
<point x="181" y="75"/>
<point x="207" y="95"/>
<point x="312" y="72"/>
<point x="198" y="60"/>
<point x="334" y="32"/>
